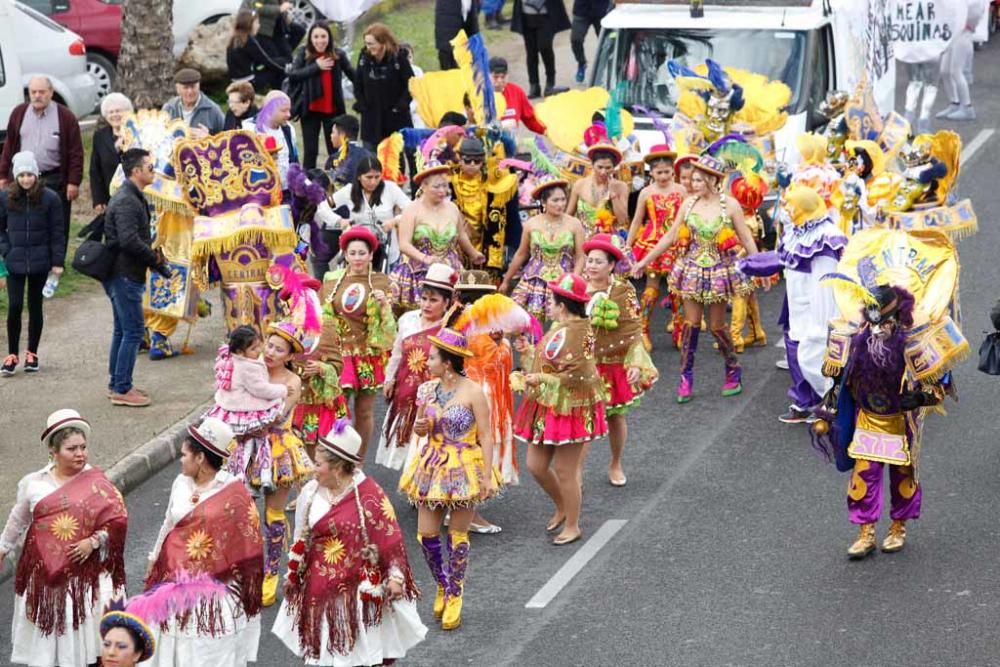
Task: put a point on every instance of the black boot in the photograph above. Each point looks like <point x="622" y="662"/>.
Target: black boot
<point x="552" y="89"/>
<point x="534" y="90"/>
<point x="492" y="23"/>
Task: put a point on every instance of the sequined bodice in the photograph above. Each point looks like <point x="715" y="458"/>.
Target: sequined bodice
<point x="554" y="256"/>
<point x="703" y="238"/>
<point x="434" y="241"/>
<point x="595" y="219"/>
<point x="456" y="424"/>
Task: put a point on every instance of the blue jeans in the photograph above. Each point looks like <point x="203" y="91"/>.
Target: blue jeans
<point x="126" y="304"/>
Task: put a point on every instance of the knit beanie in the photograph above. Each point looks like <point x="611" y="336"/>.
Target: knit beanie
<point x="24" y="163"/>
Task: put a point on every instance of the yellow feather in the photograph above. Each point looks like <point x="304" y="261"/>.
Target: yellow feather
<point x="855" y="290"/>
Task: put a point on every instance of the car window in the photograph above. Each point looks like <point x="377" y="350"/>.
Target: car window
<point x="44" y="20"/>
<point x="43" y="6"/>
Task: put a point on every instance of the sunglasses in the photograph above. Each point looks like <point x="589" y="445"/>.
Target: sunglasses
<point x="472" y="160"/>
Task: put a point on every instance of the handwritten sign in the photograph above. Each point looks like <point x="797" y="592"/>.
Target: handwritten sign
<point x="922" y="29"/>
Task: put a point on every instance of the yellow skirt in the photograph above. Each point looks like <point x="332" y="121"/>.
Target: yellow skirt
<point x="447" y="475"/>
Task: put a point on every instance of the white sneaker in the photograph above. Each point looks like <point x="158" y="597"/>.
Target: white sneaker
<point x="951" y="108"/>
<point x="782" y="363"/>
<point x="781" y="343"/>
<point x="962" y="114"/>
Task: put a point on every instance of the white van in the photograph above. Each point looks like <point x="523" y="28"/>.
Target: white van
<point x="811" y="45"/>
<point x="11" y="89"/>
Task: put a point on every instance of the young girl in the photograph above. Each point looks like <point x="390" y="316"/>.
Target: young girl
<point x="245" y="398"/>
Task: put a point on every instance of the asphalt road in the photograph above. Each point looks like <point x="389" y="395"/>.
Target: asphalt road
<point x="733" y="550"/>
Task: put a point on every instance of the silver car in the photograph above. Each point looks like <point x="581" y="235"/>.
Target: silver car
<point x="45" y="47"/>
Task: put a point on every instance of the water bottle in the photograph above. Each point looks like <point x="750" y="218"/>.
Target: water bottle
<point x="50" y="286"/>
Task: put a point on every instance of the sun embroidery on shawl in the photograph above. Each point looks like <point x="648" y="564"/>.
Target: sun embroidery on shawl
<point x="416" y="361"/>
<point x="333" y="551"/>
<point x="388" y="511"/>
<point x="199" y="545"/>
<point x="64" y="527"/>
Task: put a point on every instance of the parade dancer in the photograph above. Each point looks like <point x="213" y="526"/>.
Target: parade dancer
<point x="600" y="200"/>
<point x="706" y="274"/>
<point x="748" y="189"/>
<point x="655" y="211"/>
<point x="622" y="360"/>
<point x="451" y="471"/>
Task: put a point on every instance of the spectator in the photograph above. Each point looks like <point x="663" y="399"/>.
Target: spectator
<point x="104" y="156"/>
<point x="346" y="151"/>
<point x="538" y="21"/>
<point x="381" y="86"/>
<point x="31" y="244"/>
<point x="272" y="120"/>
<point x="202" y="115"/>
<point x="52" y="134"/>
<point x="279" y="34"/>
<point x="451" y="16"/>
<point x="319" y="69"/>
<point x="586" y="14"/>
<point x="493" y="9"/>
<point x="241" y="105"/>
<point x="519" y="109"/>
<point x="127" y="232"/>
<point x="246" y="58"/>
<point x="953" y="64"/>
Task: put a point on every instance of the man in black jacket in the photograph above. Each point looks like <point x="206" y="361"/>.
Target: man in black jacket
<point x="127" y="233"/>
<point x="450" y="16"/>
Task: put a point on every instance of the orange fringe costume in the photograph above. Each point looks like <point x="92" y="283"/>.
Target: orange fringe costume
<point x="491" y="367"/>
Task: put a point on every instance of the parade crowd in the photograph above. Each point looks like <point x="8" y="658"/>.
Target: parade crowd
<point x="475" y="275"/>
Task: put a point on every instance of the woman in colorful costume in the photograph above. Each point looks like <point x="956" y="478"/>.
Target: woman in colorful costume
<point x="73" y="522"/>
<point x="451" y="472"/>
<point x="888" y="370"/>
<point x="563" y="408"/>
<point x="655" y="211"/>
<point x="706" y="274"/>
<point x="288" y="460"/>
<point x="600" y="200"/>
<point x="211" y="528"/>
<point x="359" y="304"/>
<point x="748" y="189"/>
<point x="407" y="367"/>
<point x="551" y="244"/>
<point x="350" y="598"/>
<point x="431" y="230"/>
<point x="622" y="360"/>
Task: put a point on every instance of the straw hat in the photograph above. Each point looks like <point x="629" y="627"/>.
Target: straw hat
<point x="451" y="341"/>
<point x="441" y="276"/>
<point x="710" y="165"/>
<point x="545" y="182"/>
<point x="659" y="152"/>
<point x="432" y="167"/>
<point x="289" y="332"/>
<point x="342" y="441"/>
<point x="607" y="148"/>
<point x="213" y="434"/>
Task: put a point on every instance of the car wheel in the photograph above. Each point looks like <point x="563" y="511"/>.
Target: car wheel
<point x="103" y="71"/>
<point x="303" y="12"/>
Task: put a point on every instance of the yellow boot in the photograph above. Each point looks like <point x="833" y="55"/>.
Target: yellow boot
<point x="739" y="318"/>
<point x="275" y="534"/>
<point x="865" y="544"/>
<point x="458" y="560"/>
<point x="434" y="555"/>
<point x="758" y="338"/>
<point x="896" y="539"/>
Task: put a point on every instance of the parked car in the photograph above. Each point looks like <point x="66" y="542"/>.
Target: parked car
<point x="100" y="21"/>
<point x="11" y="88"/>
<point x="45" y="47"/>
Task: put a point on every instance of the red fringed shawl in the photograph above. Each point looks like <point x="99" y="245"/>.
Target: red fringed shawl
<point x="45" y="574"/>
<point x="412" y="373"/>
<point x="219" y="537"/>
<point x="334" y="571"/>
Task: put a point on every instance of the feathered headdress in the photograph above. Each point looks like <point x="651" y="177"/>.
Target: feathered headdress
<point x="474" y="61"/>
<point x="389" y="151"/>
<point x="496" y="312"/>
<point x="299" y="292"/>
<point x="307" y="195"/>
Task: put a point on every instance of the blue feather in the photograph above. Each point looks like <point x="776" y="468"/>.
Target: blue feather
<point x="481" y="76"/>
<point x="737" y="101"/>
<point x="717" y="75"/>
<point x="676" y="70"/>
<point x="413" y="137"/>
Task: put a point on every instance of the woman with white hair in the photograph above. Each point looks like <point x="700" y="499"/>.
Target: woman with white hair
<point x="272" y="120"/>
<point x="104" y="158"/>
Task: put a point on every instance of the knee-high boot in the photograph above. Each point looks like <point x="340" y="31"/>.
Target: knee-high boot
<point x="689" y="346"/>
<point x="433" y="550"/>
<point x="676" y="325"/>
<point x="758" y="337"/>
<point x="275" y="537"/>
<point x="646" y="305"/>
<point x="738" y="321"/>
<point x="458" y="559"/>
<point x="734" y="373"/>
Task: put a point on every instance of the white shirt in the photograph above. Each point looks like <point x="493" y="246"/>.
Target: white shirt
<point x="180" y="504"/>
<point x="284" y="156"/>
<point x="392" y="198"/>
<point x="30" y="491"/>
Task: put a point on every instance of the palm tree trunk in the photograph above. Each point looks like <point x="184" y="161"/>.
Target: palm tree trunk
<point x="146" y="62"/>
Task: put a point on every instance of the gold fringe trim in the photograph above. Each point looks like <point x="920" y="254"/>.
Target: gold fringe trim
<point x="284" y="239"/>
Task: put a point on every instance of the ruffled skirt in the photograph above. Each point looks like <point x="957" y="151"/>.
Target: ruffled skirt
<point x="244" y="422"/>
<point x="623" y="396"/>
<point x="538" y="424"/>
<point x="533" y="295"/>
<point x="399" y="631"/>
<point x="447" y="475"/>
<point x="311" y="421"/>
<point x="280" y="452"/>
<point x="363" y="373"/>
<point x="719" y="283"/>
<point x="234" y="646"/>
<point x="406" y="276"/>
<point x="72" y="649"/>
<point x="662" y="265"/>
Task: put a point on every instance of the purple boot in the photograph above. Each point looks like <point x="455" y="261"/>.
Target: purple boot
<point x="734" y="373"/>
<point x="434" y="555"/>
<point x="689" y="346"/>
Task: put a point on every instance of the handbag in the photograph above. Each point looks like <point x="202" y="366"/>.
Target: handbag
<point x="93" y="258"/>
<point x="989" y="354"/>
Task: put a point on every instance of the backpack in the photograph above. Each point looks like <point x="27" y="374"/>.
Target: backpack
<point x="93" y="258"/>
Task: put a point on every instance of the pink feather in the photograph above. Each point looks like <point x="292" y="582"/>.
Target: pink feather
<point x="169" y="599"/>
<point x="295" y="288"/>
<point x="434" y="143"/>
<point x="511" y="163"/>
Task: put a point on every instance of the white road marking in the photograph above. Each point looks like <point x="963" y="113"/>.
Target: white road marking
<point x="974" y="145"/>
<point x="575" y="564"/>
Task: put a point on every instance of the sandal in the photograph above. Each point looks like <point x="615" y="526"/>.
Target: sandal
<point x="552" y="527"/>
<point x="562" y="541"/>
<point x="484" y="528"/>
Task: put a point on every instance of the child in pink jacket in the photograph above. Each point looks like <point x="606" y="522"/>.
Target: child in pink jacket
<point x="245" y="398"/>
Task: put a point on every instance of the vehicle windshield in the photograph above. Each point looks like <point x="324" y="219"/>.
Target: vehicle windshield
<point x="640" y="57"/>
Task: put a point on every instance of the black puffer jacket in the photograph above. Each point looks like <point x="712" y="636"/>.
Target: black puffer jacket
<point x="448" y="21"/>
<point x="126" y="230"/>
<point x="32" y="239"/>
<point x="306" y="73"/>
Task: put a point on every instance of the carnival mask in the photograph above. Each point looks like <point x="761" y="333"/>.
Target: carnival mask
<point x="834" y="103"/>
<point x="718" y="115"/>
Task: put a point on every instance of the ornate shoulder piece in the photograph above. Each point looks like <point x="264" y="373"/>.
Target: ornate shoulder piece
<point x="935" y="348"/>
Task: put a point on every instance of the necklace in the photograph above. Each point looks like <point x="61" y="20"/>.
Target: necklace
<point x="443" y="396"/>
<point x="552" y="226"/>
<point x="200" y="489"/>
<point x="597" y="196"/>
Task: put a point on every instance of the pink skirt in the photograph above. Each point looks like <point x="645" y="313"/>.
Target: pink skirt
<point x="311" y="421"/>
<point x="244" y="422"/>
<point x="624" y="396"/>
<point x="540" y="425"/>
<point x="363" y="373"/>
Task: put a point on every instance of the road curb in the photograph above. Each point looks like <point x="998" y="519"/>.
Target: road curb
<point x="138" y="466"/>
